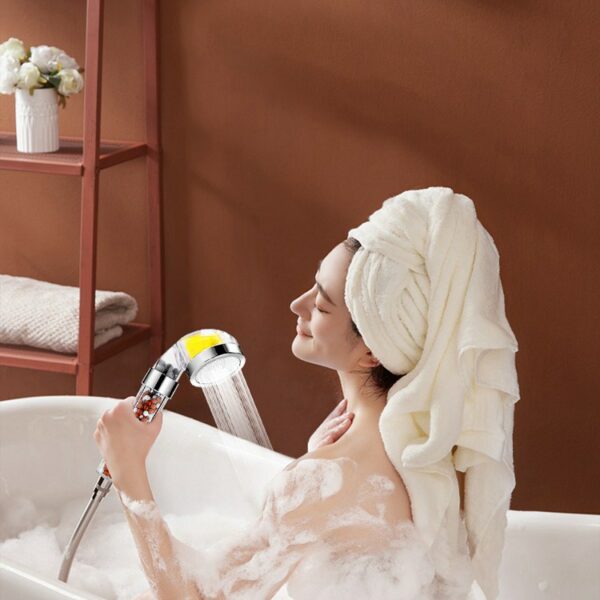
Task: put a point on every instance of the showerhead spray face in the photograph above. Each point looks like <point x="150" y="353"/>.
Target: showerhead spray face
<point x="206" y="355"/>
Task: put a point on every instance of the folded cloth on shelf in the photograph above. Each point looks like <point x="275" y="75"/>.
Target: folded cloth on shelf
<point x="424" y="291"/>
<point x="46" y="315"/>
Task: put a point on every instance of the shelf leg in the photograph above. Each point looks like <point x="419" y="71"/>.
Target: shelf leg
<point x="89" y="196"/>
<point x="153" y="164"/>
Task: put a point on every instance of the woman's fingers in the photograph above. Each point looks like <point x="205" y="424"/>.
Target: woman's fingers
<point x="337" y="432"/>
<point x="342" y="425"/>
<point x="332" y="427"/>
<point x="338" y="410"/>
<point x="337" y="421"/>
<point x="336" y="429"/>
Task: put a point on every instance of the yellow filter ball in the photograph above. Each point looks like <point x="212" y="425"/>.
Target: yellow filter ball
<point x="196" y="343"/>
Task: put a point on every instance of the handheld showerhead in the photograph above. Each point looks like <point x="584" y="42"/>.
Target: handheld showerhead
<point x="208" y="356"/>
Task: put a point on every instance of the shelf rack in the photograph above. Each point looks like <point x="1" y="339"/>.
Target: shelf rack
<point x="85" y="157"/>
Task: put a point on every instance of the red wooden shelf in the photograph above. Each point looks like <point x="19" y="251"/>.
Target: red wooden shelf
<point x="46" y="360"/>
<point x="85" y="157"/>
<point x="68" y="159"/>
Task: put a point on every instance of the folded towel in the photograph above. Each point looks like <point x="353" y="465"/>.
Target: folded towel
<point x="46" y="315"/>
<point x="425" y="293"/>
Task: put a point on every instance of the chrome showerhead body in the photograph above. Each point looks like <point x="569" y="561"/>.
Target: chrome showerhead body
<point x="206" y="355"/>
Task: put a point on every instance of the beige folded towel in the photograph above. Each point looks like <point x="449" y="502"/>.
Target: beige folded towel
<point x="46" y="315"/>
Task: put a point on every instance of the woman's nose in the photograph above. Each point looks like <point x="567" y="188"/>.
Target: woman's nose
<point x="294" y="306"/>
<point x="299" y="305"/>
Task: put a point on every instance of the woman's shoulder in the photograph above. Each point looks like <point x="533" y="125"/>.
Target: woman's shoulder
<point x="375" y="474"/>
<point x="331" y="479"/>
<point x="311" y="479"/>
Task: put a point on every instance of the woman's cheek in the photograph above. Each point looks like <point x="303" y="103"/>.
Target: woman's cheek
<point x="316" y="325"/>
<point x="321" y="331"/>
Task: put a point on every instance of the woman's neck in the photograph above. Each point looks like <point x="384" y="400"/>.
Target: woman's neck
<point x="364" y="400"/>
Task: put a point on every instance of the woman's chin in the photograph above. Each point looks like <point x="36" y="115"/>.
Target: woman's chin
<point x="299" y="346"/>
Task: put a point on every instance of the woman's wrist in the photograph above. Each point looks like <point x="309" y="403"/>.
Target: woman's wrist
<point x="132" y="480"/>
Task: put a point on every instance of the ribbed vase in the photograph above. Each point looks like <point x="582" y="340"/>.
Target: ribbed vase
<point x="37" y="120"/>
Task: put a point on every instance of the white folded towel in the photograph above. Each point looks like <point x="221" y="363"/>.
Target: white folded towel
<point x="46" y="315"/>
<point x="425" y="293"/>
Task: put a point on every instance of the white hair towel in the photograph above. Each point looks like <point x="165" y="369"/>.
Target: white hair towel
<point x="425" y="293"/>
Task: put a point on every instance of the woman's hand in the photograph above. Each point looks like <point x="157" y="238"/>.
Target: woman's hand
<point x="334" y="426"/>
<point x="123" y="440"/>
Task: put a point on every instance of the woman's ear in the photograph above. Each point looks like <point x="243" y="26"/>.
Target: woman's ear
<point x="369" y="361"/>
<point x="375" y="360"/>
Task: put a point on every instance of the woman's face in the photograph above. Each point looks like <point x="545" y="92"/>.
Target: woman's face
<point x="326" y="337"/>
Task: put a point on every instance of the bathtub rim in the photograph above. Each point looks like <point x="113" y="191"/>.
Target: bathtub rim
<point x="532" y="517"/>
<point x="15" y="405"/>
<point x="14" y="570"/>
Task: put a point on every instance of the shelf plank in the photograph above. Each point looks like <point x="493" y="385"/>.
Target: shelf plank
<point x="27" y="357"/>
<point x="68" y="159"/>
<point x="36" y="358"/>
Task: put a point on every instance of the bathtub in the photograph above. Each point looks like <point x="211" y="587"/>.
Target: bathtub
<point x="47" y="454"/>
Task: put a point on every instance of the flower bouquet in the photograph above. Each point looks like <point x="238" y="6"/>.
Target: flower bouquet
<point x="41" y="79"/>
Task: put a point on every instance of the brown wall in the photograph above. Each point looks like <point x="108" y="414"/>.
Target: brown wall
<point x="286" y="123"/>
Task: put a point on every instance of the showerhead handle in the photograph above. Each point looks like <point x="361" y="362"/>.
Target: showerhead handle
<point x="156" y="390"/>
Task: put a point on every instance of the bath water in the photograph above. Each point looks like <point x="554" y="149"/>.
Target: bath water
<point x="323" y="533"/>
<point x="106" y="563"/>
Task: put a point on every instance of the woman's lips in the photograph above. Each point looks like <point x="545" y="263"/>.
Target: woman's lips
<point x="300" y="332"/>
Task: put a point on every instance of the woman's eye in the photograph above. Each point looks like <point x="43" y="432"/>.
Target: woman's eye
<point x="322" y="311"/>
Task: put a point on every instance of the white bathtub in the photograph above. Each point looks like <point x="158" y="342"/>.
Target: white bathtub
<point x="47" y="454"/>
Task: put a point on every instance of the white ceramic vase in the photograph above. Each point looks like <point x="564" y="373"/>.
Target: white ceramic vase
<point x="37" y="120"/>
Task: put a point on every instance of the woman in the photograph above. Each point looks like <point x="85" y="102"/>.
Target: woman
<point x="409" y="311"/>
<point x="325" y="336"/>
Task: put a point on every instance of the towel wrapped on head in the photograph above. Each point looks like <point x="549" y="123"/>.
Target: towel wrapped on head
<point x="425" y="293"/>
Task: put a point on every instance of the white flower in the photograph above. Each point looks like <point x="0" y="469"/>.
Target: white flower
<point x="71" y="82"/>
<point x="13" y="47"/>
<point x="51" y="58"/>
<point x="9" y="73"/>
<point x="28" y="76"/>
<point x="63" y="61"/>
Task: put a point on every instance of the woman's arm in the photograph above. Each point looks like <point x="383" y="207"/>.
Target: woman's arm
<point x="153" y="539"/>
<point x="219" y="577"/>
<point x="124" y="443"/>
